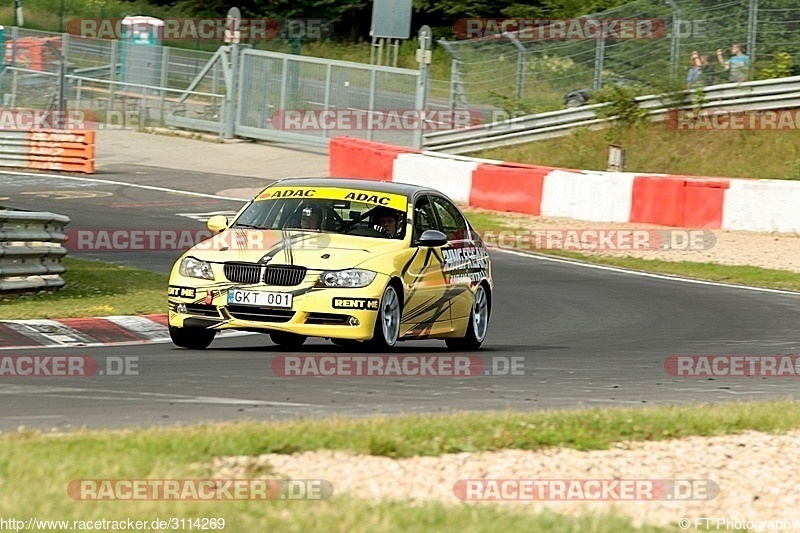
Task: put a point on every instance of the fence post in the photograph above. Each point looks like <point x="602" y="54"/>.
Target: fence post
<point x="599" y="59"/>
<point x="422" y="85"/>
<point x="752" y="31"/>
<point x="520" y="65"/>
<point x="230" y="93"/>
<point x="373" y="86"/>
<point x="326" y="95"/>
<point x="164" y="80"/>
<point x="674" y="51"/>
<point x="112" y="75"/>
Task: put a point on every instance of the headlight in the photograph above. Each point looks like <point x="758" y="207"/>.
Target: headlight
<point x="194" y="268"/>
<point x="346" y="278"/>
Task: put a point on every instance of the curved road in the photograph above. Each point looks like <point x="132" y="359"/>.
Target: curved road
<point x="587" y="336"/>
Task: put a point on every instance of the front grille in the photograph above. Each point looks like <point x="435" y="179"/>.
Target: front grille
<point x="284" y="275"/>
<point x="250" y="273"/>
<point x="329" y="319"/>
<point x="242" y="272"/>
<point x="259" y="314"/>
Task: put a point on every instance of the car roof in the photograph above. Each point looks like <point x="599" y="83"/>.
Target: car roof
<point x="410" y="191"/>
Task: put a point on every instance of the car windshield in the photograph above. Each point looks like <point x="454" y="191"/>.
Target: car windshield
<point x="344" y="217"/>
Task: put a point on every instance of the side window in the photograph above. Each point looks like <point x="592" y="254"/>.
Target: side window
<point x="453" y="223"/>
<point x="424" y="218"/>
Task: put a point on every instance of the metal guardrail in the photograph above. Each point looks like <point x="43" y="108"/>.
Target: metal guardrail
<point x="781" y="93"/>
<point x="31" y="248"/>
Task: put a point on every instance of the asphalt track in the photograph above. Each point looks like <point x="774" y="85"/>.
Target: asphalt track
<point x="587" y="336"/>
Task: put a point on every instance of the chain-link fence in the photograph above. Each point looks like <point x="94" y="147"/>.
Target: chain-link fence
<point x="234" y="91"/>
<point x="530" y="73"/>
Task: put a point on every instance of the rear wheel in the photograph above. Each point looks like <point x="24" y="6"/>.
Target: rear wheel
<point x="478" y="324"/>
<point x="192" y="338"/>
<point x="387" y="325"/>
<point x="287" y="340"/>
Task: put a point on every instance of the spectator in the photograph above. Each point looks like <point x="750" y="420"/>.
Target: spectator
<point x="695" y="69"/>
<point x="738" y="65"/>
<point x="707" y="72"/>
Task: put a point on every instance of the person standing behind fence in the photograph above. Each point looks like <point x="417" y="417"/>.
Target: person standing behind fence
<point x="707" y="71"/>
<point x="695" y="69"/>
<point x="738" y="65"/>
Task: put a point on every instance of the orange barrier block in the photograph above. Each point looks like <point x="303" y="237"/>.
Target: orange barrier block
<point x="508" y="187"/>
<point x="704" y="201"/>
<point x="355" y="158"/>
<point x="62" y="150"/>
<point x="658" y="200"/>
<point x="681" y="201"/>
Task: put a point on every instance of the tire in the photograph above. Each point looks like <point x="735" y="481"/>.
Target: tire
<point x="287" y="340"/>
<point x="387" y="324"/>
<point x="192" y="338"/>
<point x="478" y="324"/>
<point x="575" y="101"/>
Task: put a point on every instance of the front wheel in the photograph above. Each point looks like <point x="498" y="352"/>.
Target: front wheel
<point x="387" y="325"/>
<point x="478" y="324"/>
<point x="192" y="338"/>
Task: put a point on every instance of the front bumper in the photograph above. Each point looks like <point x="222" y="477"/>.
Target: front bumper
<point x="316" y="312"/>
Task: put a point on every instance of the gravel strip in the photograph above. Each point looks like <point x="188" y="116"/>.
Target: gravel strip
<point x="756" y="473"/>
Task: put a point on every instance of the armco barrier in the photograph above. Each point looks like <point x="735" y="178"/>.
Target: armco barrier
<point x="62" y="150"/>
<point x="668" y="200"/>
<point x="31" y="251"/>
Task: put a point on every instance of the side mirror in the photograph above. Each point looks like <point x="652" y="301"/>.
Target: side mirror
<point x="432" y="238"/>
<point x="217" y="223"/>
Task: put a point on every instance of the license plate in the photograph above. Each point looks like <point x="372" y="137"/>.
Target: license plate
<point x="260" y="298"/>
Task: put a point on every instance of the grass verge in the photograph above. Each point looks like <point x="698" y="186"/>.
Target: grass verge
<point x="657" y="148"/>
<point x="94" y="288"/>
<point x="42" y="465"/>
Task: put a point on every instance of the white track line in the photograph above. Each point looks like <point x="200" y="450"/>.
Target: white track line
<point x="135" y="185"/>
<point x="643" y="274"/>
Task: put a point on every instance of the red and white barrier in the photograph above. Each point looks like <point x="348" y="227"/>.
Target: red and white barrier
<point x="667" y="200"/>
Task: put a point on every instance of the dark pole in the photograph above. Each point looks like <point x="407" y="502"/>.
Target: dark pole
<point x="61" y="18"/>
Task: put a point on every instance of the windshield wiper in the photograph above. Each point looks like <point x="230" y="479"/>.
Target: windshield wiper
<point x="241" y="225"/>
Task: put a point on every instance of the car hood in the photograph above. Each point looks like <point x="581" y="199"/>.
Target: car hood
<point x="318" y="251"/>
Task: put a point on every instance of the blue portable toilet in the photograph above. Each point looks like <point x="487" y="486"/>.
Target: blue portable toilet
<point x="140" y="50"/>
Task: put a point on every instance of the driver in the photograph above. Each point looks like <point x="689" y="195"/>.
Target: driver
<point x="387" y="222"/>
<point x="311" y="217"/>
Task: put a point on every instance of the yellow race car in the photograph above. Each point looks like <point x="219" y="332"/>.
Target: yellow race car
<point x="357" y="262"/>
